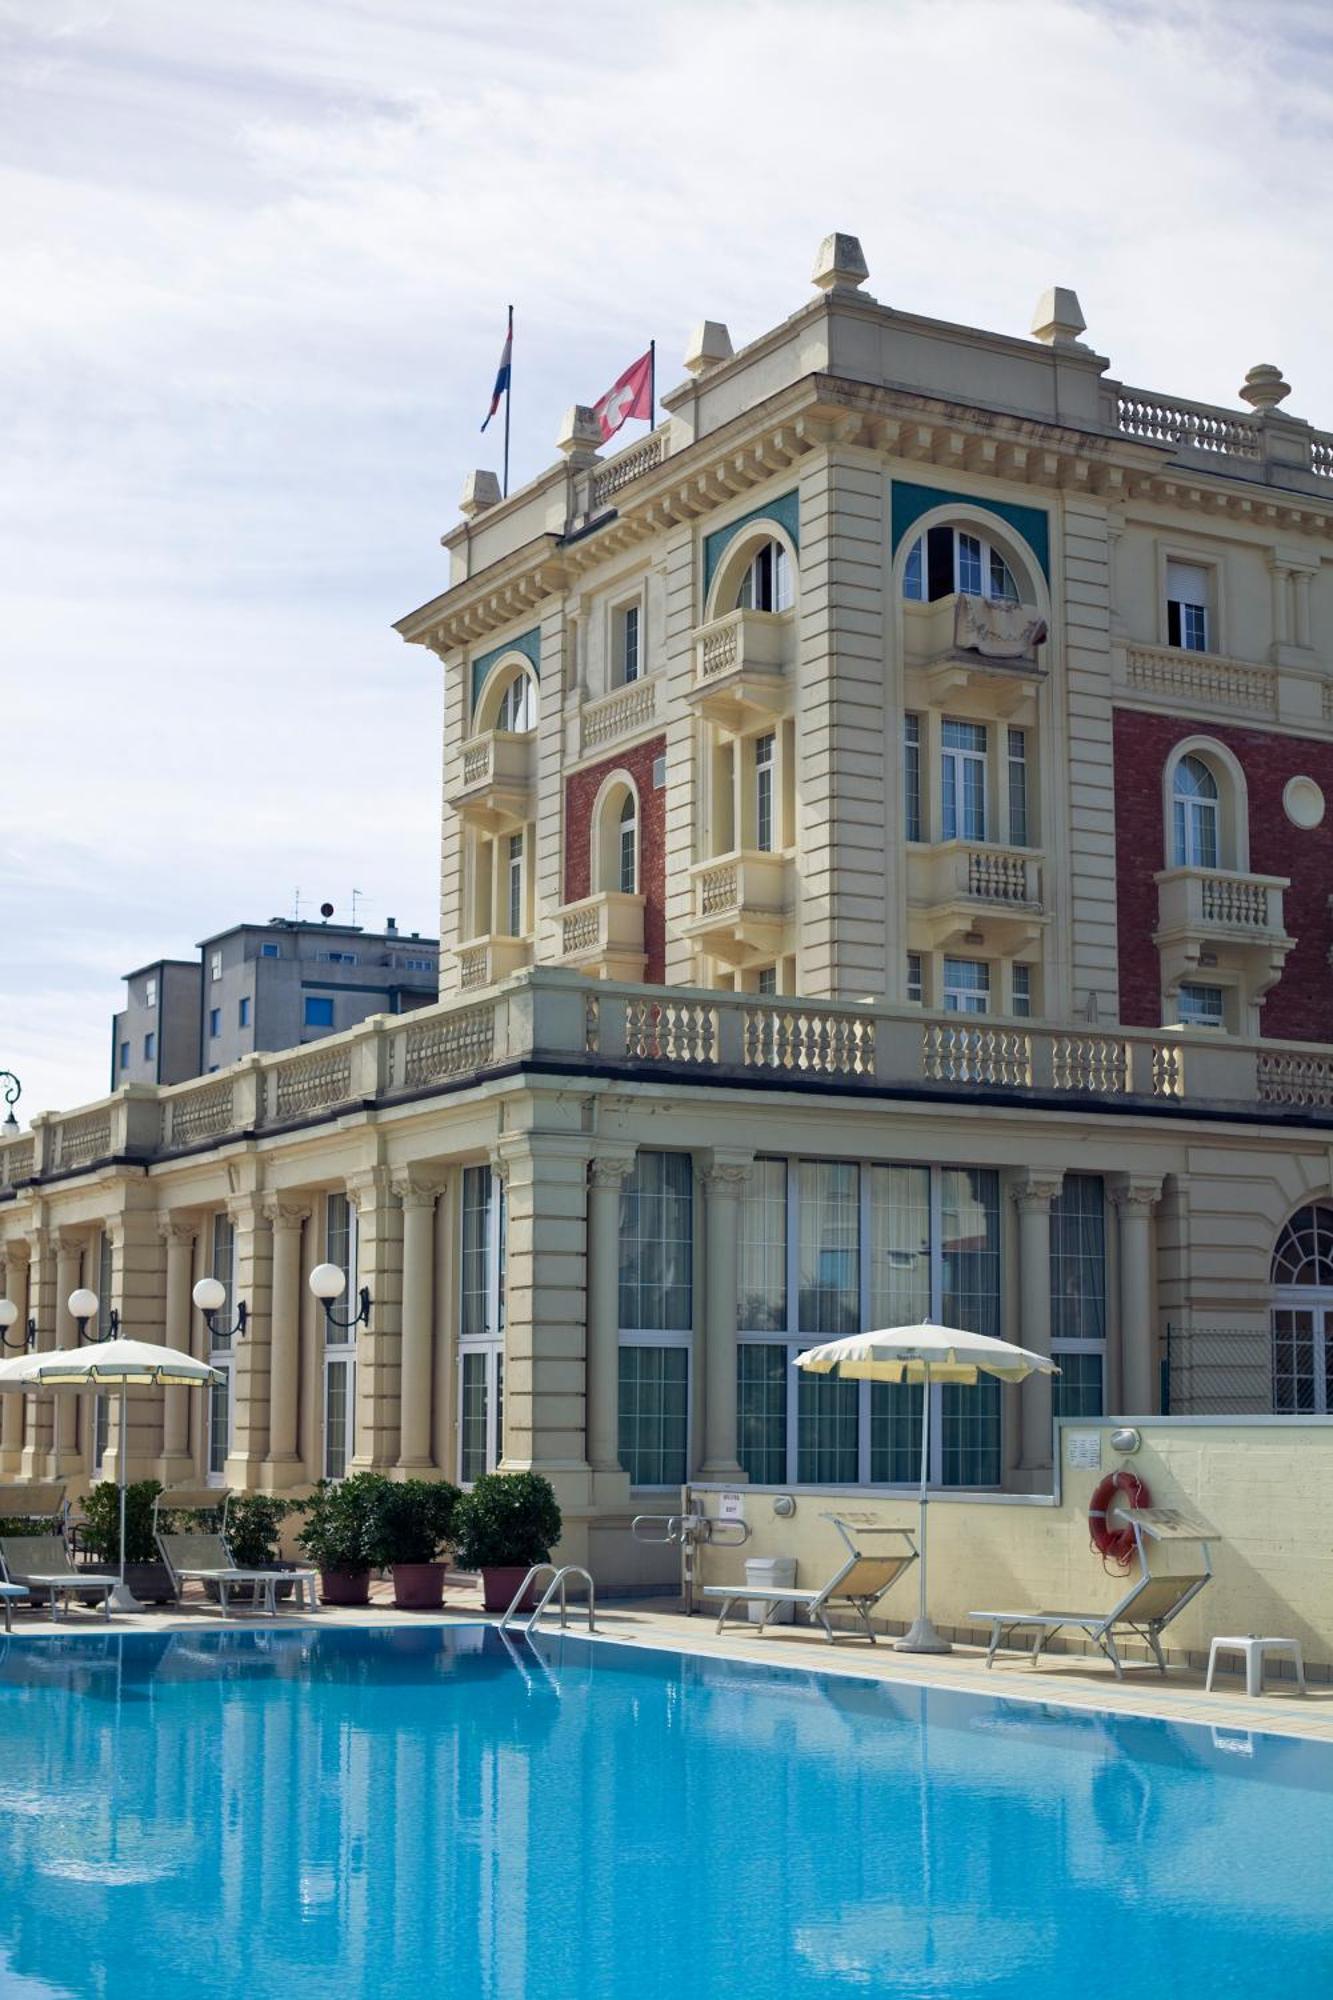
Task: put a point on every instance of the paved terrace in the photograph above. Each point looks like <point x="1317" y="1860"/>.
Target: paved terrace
<point x="1062" y="1681"/>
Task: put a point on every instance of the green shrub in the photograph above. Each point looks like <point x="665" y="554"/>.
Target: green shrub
<point x="100" y="1532"/>
<point x="510" y="1520"/>
<point x="340" y="1519"/>
<point x="414" y="1520"/>
<point x="253" y="1522"/>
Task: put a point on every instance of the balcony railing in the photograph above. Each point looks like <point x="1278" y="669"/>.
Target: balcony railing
<point x="740" y="667"/>
<point x="559" y="1017"/>
<point x="625" y="712"/>
<point x="954" y="883"/>
<point x="484" y="961"/>
<point x="981" y="630"/>
<point x="603" y="934"/>
<point x="740" y="905"/>
<point x="496" y="787"/>
<point x="1214" y="900"/>
<point x="1206" y="678"/>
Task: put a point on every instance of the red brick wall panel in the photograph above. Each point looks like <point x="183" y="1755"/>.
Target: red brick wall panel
<point x="580" y="796"/>
<point x="1300" y="1006"/>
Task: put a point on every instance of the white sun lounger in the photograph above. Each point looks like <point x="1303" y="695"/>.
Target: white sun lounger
<point x="858" y="1586"/>
<point x="41" y="1562"/>
<point x="198" y="1557"/>
<point x="1145" y="1610"/>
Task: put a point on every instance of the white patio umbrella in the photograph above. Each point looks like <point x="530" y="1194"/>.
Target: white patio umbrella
<point x="104" y="1365"/>
<point x="924" y="1354"/>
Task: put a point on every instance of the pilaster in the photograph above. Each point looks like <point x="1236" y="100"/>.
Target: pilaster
<point x="417" y="1199"/>
<point x="1134" y="1197"/>
<point x="379" y="1267"/>
<point x="607" y="1173"/>
<point x="41" y="1309"/>
<point x="1032" y="1193"/>
<point x="283" y="1466"/>
<point x="251" y="1351"/>
<point x="175" y="1465"/>
<point x="724" y="1176"/>
<point x="17" y="1254"/>
<point x="64" y="1461"/>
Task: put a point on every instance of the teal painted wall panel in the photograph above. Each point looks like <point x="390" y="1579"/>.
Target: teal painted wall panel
<point x="785" y="510"/>
<point x="911" y="502"/>
<point x="529" y="644"/>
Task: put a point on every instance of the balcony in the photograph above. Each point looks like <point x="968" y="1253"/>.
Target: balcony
<point x="1213" y="920"/>
<point x="496" y="791"/>
<point x="741" y="666"/>
<point x="958" y="887"/>
<point x="603" y="935"/>
<point x="968" y="645"/>
<point x="740" y="906"/>
<point x="483" y="961"/>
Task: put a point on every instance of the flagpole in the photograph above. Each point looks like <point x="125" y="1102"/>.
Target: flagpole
<point x="509" y="395"/>
<point x="652" y="385"/>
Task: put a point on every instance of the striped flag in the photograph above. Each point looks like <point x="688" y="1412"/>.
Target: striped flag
<point x="502" y="372"/>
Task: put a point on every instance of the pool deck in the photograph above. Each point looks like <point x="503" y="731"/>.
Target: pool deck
<point x="1062" y="1680"/>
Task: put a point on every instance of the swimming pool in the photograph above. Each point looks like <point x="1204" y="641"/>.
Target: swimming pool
<point x="350" y="1812"/>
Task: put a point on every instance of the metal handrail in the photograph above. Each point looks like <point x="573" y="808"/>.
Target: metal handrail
<point x="559" y="1582"/>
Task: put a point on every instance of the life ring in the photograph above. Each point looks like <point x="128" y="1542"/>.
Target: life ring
<point x="1115" y="1545"/>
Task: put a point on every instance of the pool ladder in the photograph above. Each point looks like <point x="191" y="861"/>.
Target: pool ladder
<point x="559" y="1582"/>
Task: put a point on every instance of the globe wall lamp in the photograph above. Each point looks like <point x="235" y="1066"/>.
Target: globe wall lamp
<point x="83" y="1306"/>
<point x="210" y="1295"/>
<point x="27" y="1340"/>
<point x="328" y="1283"/>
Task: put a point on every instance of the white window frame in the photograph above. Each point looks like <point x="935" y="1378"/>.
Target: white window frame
<point x="1188" y="812"/>
<point x="489" y="1343"/>
<point x="150" y="993"/>
<point x="1201" y="1020"/>
<point x="516" y="713"/>
<point x="215" y="965"/>
<point x="916" y="567"/>
<point x="1020" y="990"/>
<point x="339" y="1342"/>
<point x="765" y="792"/>
<point x="627" y="830"/>
<point x="627" y="659"/>
<point x="959" y="993"/>
<point x="1197" y="635"/>
<point x="779" y="584"/>
<point x="221" y="1352"/>
<point x="957" y="760"/>
<point x="515" y="885"/>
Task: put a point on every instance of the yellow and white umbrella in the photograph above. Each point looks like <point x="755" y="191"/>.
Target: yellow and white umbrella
<point x="105" y="1365"/>
<point x="924" y="1354"/>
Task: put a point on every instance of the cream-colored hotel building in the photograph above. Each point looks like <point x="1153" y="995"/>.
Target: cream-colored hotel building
<point x="885" y="873"/>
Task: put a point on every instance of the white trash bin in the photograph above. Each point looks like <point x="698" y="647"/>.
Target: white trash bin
<point x="771" y="1573"/>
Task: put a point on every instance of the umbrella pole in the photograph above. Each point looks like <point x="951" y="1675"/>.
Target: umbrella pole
<point x="921" y="1636"/>
<point x="122" y="1597"/>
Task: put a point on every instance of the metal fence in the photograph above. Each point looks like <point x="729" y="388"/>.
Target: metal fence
<point x="1217" y="1371"/>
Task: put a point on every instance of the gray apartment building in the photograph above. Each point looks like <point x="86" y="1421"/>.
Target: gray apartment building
<point x="264" y="986"/>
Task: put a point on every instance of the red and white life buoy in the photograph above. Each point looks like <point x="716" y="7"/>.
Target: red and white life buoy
<point x="1115" y="1544"/>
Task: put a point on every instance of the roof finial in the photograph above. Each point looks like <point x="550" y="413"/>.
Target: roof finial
<point x="840" y="266"/>
<point x="1058" y="319"/>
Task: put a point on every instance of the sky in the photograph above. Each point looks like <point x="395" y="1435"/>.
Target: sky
<point x="256" y="260"/>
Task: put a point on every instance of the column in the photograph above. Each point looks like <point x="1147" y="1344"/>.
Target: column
<point x="64" y="1459"/>
<point x="1135" y="1198"/>
<point x="1032" y="1194"/>
<point x="417" y="1198"/>
<point x="175" y="1467"/>
<point x="138" y="1292"/>
<point x="607" y="1174"/>
<point x="724" y="1176"/>
<point x="1301" y="585"/>
<point x="379" y="1267"/>
<point x="41" y="1308"/>
<point x="251" y="1351"/>
<point x="11" y="1406"/>
<point x="282" y="1463"/>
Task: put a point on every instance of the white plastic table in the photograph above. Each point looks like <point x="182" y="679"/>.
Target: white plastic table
<point x="1255" y="1649"/>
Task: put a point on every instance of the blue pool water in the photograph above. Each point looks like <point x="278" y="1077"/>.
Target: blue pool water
<point x="429" y="1811"/>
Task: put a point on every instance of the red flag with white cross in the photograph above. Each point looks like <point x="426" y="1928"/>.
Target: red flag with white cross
<point x="631" y="396"/>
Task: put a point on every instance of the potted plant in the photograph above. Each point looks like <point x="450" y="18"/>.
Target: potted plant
<point x="99" y="1537"/>
<point x="508" y="1522"/>
<point x="338" y="1535"/>
<point x="253" y="1522"/>
<point x="414" y="1521"/>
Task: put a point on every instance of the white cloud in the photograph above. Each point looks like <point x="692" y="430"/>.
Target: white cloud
<point x="257" y="260"/>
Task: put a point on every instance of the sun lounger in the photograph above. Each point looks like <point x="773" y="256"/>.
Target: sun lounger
<point x="858" y="1586"/>
<point x="1152" y="1601"/>
<point x="10" y="1595"/>
<point x="199" y="1557"/>
<point x="41" y="1563"/>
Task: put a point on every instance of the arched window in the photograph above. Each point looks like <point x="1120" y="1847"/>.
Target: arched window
<point x="1304" y="1253"/>
<point x="767" y="583"/>
<point x="628" y="848"/>
<point x="1302" y="1277"/>
<point x="517" y="712"/>
<point x="1195" y="815"/>
<point x="945" y="560"/>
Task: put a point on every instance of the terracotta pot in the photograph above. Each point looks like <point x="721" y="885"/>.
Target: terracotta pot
<point x="344" y="1586"/>
<point x="498" y="1587"/>
<point x="418" y="1586"/>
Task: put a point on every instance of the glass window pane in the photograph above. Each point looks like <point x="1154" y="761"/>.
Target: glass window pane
<point x="1077" y="1390"/>
<point x="472" y="1417"/>
<point x="656" y="1244"/>
<point x="337" y="1410"/>
<point x="827" y="1431"/>
<point x="895" y="1432"/>
<point x="1293" y="1363"/>
<point x="970" y="1253"/>
<point x="969" y="564"/>
<point x="219" y="1422"/>
<point x="761" y="1411"/>
<point x="914" y="572"/>
<point x="476" y="1241"/>
<point x="1018" y="788"/>
<point x="912" y="777"/>
<point x="1078" y="1260"/>
<point x="830" y="1273"/>
<point x="654" y="1414"/>
<point x="762" y="1303"/>
<point x="899" y="1245"/>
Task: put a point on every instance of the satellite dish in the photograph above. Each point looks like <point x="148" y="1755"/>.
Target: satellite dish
<point x="326" y="911"/>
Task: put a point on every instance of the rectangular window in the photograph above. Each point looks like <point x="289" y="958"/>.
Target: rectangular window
<point x="970" y="1298"/>
<point x="627" y="644"/>
<point x="900" y="1289"/>
<point x="969" y="564"/>
<point x="514" y="866"/>
<point x="124" y="1055"/>
<point x="830" y="1267"/>
<point x="1078" y="1296"/>
<point x="828" y="1432"/>
<point x="763" y="793"/>
<point x="337" y="1414"/>
<point x="335" y="957"/>
<point x="1018" y="787"/>
<point x="339" y="1341"/>
<point x="485" y="1227"/>
<point x="149" y="1047"/>
<point x="1201" y="1006"/>
<point x="214" y="1021"/>
<point x="966" y="986"/>
<point x="150" y="993"/>
<point x="915" y="984"/>
<point x="1022" y="994"/>
<point x="318" y="1010"/>
<point x="657" y="1245"/>
<point x="215" y="965"/>
<point x="914" y="581"/>
<point x="654" y="1414"/>
<point x="912" y="777"/>
<point x="1187" y="606"/>
<point x="473" y="1455"/>
<point x="761" y="1411"/>
<point x="963" y="780"/>
<point x="223" y="1268"/>
<point x="270" y="951"/>
<point x="1078" y="1390"/>
<point x="766" y="979"/>
<point x="243" y="1013"/>
<point x="762" y="1299"/>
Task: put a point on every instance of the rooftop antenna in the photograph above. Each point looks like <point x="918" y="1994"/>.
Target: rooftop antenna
<point x="296" y="907"/>
<point x="357" y="895"/>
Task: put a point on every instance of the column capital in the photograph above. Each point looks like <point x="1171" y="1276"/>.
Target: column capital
<point x="1033" y="1190"/>
<point x="246" y="1208"/>
<point x="724" y="1170"/>
<point x="177" y="1228"/>
<point x="284" y="1215"/>
<point x="611" y="1170"/>
<point x="417" y="1190"/>
<point x="71" y="1240"/>
<point x="15" y="1250"/>
<point x="369" y="1189"/>
<point x="1135" y="1194"/>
